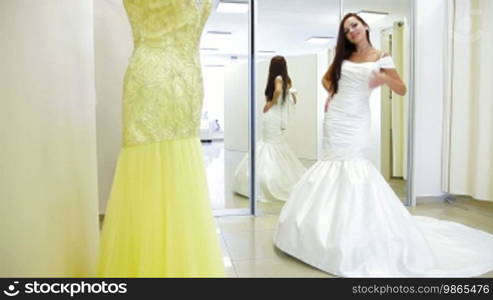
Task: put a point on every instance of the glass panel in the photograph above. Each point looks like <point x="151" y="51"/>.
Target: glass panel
<point x="224" y="125"/>
<point x="295" y="36"/>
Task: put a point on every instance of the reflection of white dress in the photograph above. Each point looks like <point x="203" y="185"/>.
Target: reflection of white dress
<point x="342" y="217"/>
<point x="278" y="167"/>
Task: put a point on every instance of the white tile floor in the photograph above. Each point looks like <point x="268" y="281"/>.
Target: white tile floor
<point x="220" y="166"/>
<point x="247" y="242"/>
<point x="249" y="251"/>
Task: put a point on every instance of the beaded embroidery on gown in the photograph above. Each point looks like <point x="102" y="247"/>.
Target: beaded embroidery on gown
<point x="158" y="219"/>
<point x="343" y="217"/>
<point x="278" y="167"/>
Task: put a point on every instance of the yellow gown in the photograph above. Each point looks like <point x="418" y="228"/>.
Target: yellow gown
<point x="158" y="220"/>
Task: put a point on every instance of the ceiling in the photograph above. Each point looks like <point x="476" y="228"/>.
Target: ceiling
<point x="284" y="26"/>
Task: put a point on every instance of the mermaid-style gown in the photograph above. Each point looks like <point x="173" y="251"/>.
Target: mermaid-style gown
<point x="343" y="217"/>
<point x="278" y="167"/>
<point x="158" y="220"/>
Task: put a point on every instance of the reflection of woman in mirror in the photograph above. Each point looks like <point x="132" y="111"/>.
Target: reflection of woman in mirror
<point x="278" y="167"/>
<point x="342" y="216"/>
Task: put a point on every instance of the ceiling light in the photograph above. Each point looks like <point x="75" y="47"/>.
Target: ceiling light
<point x="371" y="17"/>
<point x="209" y="49"/>
<point x="216" y="39"/>
<point x="266" y="51"/>
<point x="319" y="40"/>
<point x="218" y="32"/>
<point x="232" y="7"/>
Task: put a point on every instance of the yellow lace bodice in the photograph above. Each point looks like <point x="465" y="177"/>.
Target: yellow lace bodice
<point x="162" y="97"/>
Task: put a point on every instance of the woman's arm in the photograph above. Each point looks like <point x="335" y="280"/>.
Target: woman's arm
<point x="277" y="89"/>
<point x="293" y="93"/>
<point x="389" y="77"/>
<point x="326" y="85"/>
<point x="395" y="82"/>
<point x="294" y="98"/>
<point x="267" y="106"/>
<point x="326" y="81"/>
<point x="275" y="96"/>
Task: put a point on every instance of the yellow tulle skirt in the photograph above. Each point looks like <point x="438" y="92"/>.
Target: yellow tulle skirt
<point x="158" y="220"/>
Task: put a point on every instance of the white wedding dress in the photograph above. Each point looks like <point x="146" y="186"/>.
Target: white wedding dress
<point x="342" y="216"/>
<point x="278" y="168"/>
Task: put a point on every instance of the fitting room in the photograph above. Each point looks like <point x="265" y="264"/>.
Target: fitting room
<point x="61" y="78"/>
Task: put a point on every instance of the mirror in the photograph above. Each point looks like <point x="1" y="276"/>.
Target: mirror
<point x="288" y="135"/>
<point x="224" y="125"/>
<point x="294" y="38"/>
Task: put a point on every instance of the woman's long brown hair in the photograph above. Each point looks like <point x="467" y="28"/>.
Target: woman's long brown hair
<point x="278" y="66"/>
<point x="344" y="49"/>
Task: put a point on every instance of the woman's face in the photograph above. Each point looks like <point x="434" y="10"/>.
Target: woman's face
<point x="354" y="30"/>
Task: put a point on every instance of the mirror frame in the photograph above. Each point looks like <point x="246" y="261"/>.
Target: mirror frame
<point x="411" y="193"/>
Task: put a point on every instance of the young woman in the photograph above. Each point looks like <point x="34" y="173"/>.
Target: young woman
<point x="343" y="217"/>
<point x="279" y="168"/>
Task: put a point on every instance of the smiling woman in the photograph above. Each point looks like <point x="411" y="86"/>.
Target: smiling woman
<point x="342" y="217"/>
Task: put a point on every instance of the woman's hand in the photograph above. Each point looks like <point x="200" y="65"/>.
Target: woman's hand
<point x="268" y="105"/>
<point x="377" y="79"/>
<point x="326" y="108"/>
<point x="390" y="78"/>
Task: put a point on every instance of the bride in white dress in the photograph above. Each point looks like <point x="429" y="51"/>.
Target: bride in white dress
<point x="278" y="167"/>
<point x="343" y="217"/>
